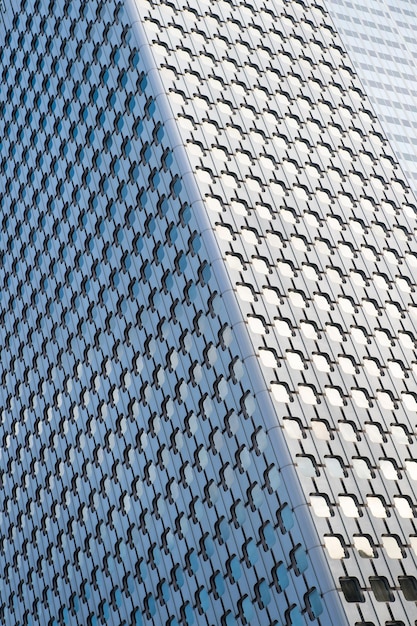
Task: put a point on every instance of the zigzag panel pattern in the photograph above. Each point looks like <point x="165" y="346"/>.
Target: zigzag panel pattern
<point x="140" y="483"/>
<point x="316" y="226"/>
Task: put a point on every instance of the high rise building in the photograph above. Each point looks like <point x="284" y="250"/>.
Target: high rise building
<point x="379" y="37"/>
<point x="207" y="316"/>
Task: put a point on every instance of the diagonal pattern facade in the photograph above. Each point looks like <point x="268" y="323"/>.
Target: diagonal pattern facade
<point x="207" y="321"/>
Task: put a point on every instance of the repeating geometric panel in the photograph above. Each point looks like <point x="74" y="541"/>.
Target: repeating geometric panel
<point x="315" y="223"/>
<point x="152" y="464"/>
<point x="382" y="46"/>
<point x="144" y="480"/>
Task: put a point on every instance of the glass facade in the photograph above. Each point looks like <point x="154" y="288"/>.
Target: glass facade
<point x="379" y="37"/>
<point x="207" y="260"/>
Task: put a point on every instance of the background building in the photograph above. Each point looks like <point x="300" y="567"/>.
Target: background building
<point x="207" y="321"/>
<point x="379" y="37"/>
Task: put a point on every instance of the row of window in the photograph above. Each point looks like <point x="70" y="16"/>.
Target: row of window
<point x="380" y="587"/>
<point x="354" y="234"/>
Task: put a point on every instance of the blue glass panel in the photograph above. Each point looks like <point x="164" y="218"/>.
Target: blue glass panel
<point x="106" y="611"/>
<point x="240" y="513"/>
<point x="247" y="609"/>
<point x="252" y="552"/>
<point x="269" y="534"/>
<point x="194" y="562"/>
<point x="150" y="601"/>
<point x="206" y="273"/>
<point x="165" y="592"/>
<point x="179" y="576"/>
<point x="177" y="187"/>
<point x="118" y="598"/>
<point x="315" y="602"/>
<point x="235" y="568"/>
<point x="265" y="593"/>
<point x="301" y="559"/>
<point x="134" y="59"/>
<point x="224" y="530"/>
<point x="219" y="584"/>
<point x="296" y="619"/>
<point x="282" y="575"/>
<point x="209" y="546"/>
<point x="230" y="620"/>
<point x="189" y="615"/>
<point x="287" y="518"/>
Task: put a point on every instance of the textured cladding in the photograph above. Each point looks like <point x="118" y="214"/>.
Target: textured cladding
<point x="208" y="338"/>
<point x="316" y="226"/>
<point x="139" y="483"/>
<point x="380" y="39"/>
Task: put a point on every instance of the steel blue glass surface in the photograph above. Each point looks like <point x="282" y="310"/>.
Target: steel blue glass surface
<point x="206" y="320"/>
<point x="117" y="395"/>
